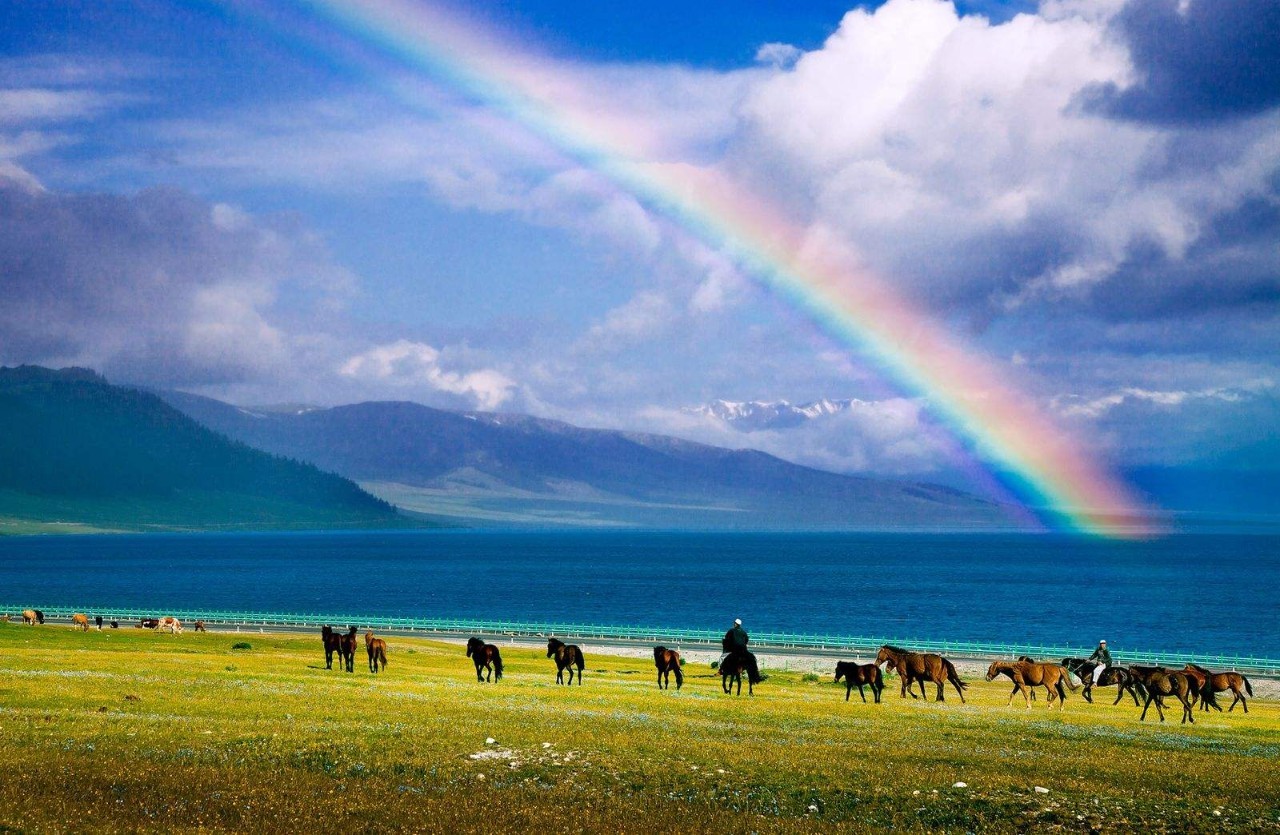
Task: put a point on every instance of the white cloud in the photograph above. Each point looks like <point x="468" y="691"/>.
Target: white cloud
<point x="405" y="364"/>
<point x="1076" y="406"/>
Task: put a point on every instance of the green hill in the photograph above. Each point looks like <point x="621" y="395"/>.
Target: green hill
<point x="79" y="453"/>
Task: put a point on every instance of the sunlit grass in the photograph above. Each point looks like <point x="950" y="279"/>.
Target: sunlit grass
<point x="131" y="730"/>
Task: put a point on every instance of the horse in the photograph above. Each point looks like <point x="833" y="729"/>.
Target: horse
<point x="200" y="626"/>
<point x="171" y="623"/>
<point x="1028" y="674"/>
<point x="1169" y="683"/>
<point x="923" y="667"/>
<point x="347" y="648"/>
<point x="858" y="675"/>
<point x="487" y="657"/>
<point x="1217" y="682"/>
<point x="80" y="621"/>
<point x="734" y="665"/>
<point x="1125" y="682"/>
<point x="668" y="661"/>
<point x="377" y="650"/>
<point x="332" y="643"/>
<point x="566" y="655"/>
<point x="31" y="617"/>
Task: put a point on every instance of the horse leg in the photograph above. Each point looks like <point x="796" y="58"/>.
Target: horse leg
<point x="1145" y="707"/>
<point x="848" y="690"/>
<point x="860" y="693"/>
<point x="1237" y="698"/>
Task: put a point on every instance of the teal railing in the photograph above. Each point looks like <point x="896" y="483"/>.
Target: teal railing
<point x="675" y="637"/>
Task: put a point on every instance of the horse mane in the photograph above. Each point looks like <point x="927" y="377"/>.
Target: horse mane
<point x="1200" y="669"/>
<point x="896" y="649"/>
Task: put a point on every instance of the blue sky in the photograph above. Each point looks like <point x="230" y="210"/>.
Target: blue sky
<point x="238" y="200"/>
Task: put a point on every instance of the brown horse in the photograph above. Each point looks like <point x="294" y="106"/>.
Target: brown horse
<point x="668" y="661"/>
<point x="1125" y="682"/>
<point x="487" y="658"/>
<point x="332" y="643"/>
<point x="1163" y="683"/>
<point x="80" y="621"/>
<point x="566" y="656"/>
<point x="734" y="666"/>
<point x="859" y="675"/>
<point x="922" y="667"/>
<point x="1028" y="674"/>
<point x="347" y="648"/>
<point x="377" y="650"/>
<point x="200" y="626"/>
<point x="31" y="617"/>
<point x="1212" y="683"/>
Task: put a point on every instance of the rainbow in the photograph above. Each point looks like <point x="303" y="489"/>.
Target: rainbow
<point x="1042" y="464"/>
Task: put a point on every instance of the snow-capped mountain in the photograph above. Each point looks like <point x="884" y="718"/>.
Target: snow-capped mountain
<point x="755" y="415"/>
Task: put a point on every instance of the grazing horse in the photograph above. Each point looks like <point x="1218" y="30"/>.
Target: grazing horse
<point x="200" y="626"/>
<point x="377" y="650"/>
<point x="567" y="656"/>
<point x="923" y="667"/>
<point x="1169" y="683"/>
<point x="32" y="616"/>
<point x="735" y="664"/>
<point x="332" y="643"/>
<point x="487" y="657"/>
<point x="667" y="661"/>
<point x="1216" y="683"/>
<point x="80" y="621"/>
<point x="1028" y="674"/>
<point x="859" y="675"/>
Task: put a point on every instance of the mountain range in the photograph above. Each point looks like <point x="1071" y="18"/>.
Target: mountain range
<point x="755" y="415"/>
<point x="77" y="453"/>
<point x="480" y="467"/>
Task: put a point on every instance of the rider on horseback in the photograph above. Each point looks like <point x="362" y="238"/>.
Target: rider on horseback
<point x="734" y="640"/>
<point x="1103" y="657"/>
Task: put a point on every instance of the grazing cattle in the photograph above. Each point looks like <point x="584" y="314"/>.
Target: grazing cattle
<point x="922" y="667"/>
<point x="567" y="656"/>
<point x="171" y="623"/>
<point x="1027" y="674"/>
<point x="1211" y="683"/>
<point x="732" y="668"/>
<point x="377" y="650"/>
<point x="200" y="626"/>
<point x="98" y="622"/>
<point x="31" y="617"/>
<point x="115" y="624"/>
<point x="859" y="675"/>
<point x="668" y="661"/>
<point x="486" y="657"/>
<point x="79" y="621"/>
<point x="148" y="623"/>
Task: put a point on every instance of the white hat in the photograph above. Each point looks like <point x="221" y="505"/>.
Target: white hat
<point x="737" y="621"/>
<point x="1103" y="641"/>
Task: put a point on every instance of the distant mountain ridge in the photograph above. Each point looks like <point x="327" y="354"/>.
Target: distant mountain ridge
<point x="755" y="415"/>
<point x="75" y="449"/>
<point x="527" y="470"/>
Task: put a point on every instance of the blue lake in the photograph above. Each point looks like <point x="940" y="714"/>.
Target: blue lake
<point x="1208" y="593"/>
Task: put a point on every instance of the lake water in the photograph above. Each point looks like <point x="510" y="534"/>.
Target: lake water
<point x="1189" y="593"/>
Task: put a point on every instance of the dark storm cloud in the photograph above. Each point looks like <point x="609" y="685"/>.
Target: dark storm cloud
<point x="1215" y="60"/>
<point x="157" y="287"/>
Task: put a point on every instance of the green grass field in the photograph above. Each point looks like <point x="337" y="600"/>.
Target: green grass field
<point x="125" y="730"/>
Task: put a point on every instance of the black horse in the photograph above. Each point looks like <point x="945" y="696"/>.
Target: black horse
<point x="487" y="657"/>
<point x="343" y="643"/>
<point x="567" y="656"/>
<point x="1113" y="675"/>
<point x="732" y="668"/>
<point x="859" y="675"/>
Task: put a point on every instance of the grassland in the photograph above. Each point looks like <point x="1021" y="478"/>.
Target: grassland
<point x="125" y="730"/>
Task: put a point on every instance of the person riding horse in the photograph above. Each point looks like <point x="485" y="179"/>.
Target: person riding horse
<point x="735" y="643"/>
<point x="1103" y="658"/>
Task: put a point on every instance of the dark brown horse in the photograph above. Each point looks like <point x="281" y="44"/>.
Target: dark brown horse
<point x="859" y="675"/>
<point x="377" y="651"/>
<point x="347" y="647"/>
<point x="332" y="643"/>
<point x="1027" y="674"/>
<point x="668" y="661"/>
<point x="200" y="626"/>
<point x="922" y="667"/>
<point x="734" y="666"/>
<point x="1161" y="683"/>
<point x="566" y="656"/>
<point x="487" y="657"/>
<point x="1216" y="683"/>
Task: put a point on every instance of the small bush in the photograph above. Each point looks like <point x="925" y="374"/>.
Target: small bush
<point x="242" y="645"/>
<point x="809" y="677"/>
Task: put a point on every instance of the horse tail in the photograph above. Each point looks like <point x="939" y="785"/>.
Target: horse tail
<point x="879" y="678"/>
<point x="1247" y="686"/>
<point x="953" y="676"/>
<point x="680" y="676"/>
<point x="753" y="669"/>
<point x="1066" y="674"/>
<point x="497" y="664"/>
<point x="581" y="659"/>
